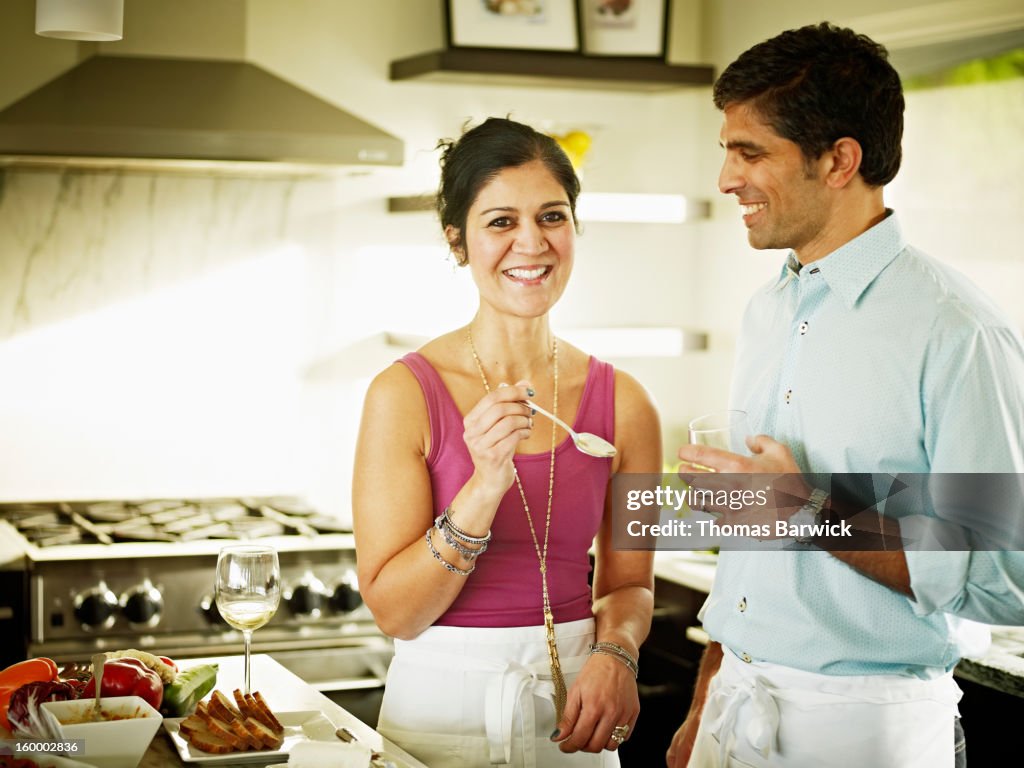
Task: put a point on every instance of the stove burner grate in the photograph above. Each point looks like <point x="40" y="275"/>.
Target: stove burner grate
<point x="163" y="520"/>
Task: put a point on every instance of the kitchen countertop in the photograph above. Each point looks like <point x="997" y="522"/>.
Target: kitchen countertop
<point x="284" y="693"/>
<point x="1001" y="667"/>
<point x="688" y="569"/>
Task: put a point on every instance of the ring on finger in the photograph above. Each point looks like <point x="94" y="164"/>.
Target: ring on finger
<point x="618" y="738"/>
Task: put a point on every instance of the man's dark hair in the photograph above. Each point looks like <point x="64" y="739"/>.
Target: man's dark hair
<point x="481" y="153"/>
<point x="817" y="84"/>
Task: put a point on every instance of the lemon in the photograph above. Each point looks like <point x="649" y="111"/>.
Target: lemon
<point x="575" y="144"/>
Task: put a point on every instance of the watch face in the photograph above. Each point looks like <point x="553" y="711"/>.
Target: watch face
<point x="809" y="514"/>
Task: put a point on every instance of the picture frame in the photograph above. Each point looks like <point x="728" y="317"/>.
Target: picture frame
<point x="624" y="27"/>
<point x="538" y="25"/>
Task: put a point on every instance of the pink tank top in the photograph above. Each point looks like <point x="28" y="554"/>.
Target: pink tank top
<point x="505" y="588"/>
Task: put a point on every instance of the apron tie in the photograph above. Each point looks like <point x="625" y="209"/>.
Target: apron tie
<point x="762" y="729"/>
<point x="504" y="693"/>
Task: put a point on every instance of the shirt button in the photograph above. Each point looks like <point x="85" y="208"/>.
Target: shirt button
<point x="803" y="327"/>
<point x="742" y="604"/>
<point x="746" y="657"/>
<point x="789" y="396"/>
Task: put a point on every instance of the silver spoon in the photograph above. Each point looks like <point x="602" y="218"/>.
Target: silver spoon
<point x="98" y="660"/>
<point x="376" y="758"/>
<point x="588" y="443"/>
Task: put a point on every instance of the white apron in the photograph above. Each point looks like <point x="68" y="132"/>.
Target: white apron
<point x="478" y="696"/>
<point x="762" y="714"/>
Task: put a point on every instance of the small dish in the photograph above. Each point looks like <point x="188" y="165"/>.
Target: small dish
<point x="112" y="743"/>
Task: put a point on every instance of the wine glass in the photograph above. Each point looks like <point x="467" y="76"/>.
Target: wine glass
<point x="726" y="430"/>
<point x="248" y="590"/>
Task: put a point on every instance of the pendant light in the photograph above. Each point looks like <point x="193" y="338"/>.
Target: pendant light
<point x="80" y="19"/>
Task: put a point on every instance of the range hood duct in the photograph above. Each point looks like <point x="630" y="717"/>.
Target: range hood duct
<point x="181" y="114"/>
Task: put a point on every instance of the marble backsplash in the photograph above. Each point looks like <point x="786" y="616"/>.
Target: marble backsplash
<point x="153" y="332"/>
<point x="75" y="241"/>
<point x="165" y="334"/>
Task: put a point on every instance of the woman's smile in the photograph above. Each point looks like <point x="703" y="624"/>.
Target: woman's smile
<point x="531" y="275"/>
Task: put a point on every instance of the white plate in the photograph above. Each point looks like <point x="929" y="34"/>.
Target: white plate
<point x="299" y="726"/>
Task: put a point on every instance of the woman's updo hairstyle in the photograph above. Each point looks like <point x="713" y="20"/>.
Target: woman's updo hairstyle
<point x="469" y="163"/>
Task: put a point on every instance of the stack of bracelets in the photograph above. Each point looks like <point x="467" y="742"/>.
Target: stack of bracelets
<point x="457" y="539"/>
<point x="618" y="652"/>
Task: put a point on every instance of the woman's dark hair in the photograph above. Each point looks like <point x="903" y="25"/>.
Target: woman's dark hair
<point x="817" y="84"/>
<point x="481" y="153"/>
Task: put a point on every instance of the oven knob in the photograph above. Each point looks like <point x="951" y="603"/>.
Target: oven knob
<point x="95" y="607"/>
<point x="307" y="598"/>
<point x="142" y="604"/>
<point x="346" y="597"/>
<point x="208" y="607"/>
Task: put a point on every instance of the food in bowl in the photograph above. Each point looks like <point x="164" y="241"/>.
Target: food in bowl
<point x="105" y="714"/>
<point x="120" y="740"/>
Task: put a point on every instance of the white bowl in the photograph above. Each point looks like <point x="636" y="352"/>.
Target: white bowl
<point x="108" y="743"/>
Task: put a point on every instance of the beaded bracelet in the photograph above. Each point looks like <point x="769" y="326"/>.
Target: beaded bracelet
<point x="617" y="651"/>
<point x="470" y="554"/>
<point x="458" y="533"/>
<point x="437" y="555"/>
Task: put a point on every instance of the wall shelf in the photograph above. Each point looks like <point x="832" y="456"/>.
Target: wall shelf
<point x="598" y="206"/>
<point x="493" y="66"/>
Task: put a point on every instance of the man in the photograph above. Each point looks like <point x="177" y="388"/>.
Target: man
<point x="863" y="356"/>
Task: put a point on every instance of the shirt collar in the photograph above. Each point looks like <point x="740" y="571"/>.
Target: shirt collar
<point x="852" y="267"/>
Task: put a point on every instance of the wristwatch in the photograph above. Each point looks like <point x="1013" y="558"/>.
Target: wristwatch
<point x="810" y="514"/>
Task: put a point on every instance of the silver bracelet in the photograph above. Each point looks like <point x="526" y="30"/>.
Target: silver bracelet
<point x="617" y="651"/>
<point x="461" y="535"/>
<point x="442" y="524"/>
<point x="437" y="555"/>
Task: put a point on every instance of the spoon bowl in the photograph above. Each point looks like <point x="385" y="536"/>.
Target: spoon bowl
<point x="586" y="442"/>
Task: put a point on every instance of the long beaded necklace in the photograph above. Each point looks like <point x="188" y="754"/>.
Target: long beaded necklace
<point x="542" y="553"/>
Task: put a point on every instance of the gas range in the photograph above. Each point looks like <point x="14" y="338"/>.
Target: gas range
<point x="103" y="575"/>
<point x="62" y="523"/>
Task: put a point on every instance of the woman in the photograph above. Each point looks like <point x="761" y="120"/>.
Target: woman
<point x="474" y="517"/>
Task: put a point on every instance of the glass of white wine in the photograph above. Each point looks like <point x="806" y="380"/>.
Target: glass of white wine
<point x="726" y="430"/>
<point x="248" y="590"/>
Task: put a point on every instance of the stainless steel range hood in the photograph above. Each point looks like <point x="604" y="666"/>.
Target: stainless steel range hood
<point x="186" y="114"/>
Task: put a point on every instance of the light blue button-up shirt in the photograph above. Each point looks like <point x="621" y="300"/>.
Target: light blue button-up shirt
<point x="876" y="358"/>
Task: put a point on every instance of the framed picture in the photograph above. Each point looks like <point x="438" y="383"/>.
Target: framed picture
<point x="546" y="25"/>
<point x="624" y="27"/>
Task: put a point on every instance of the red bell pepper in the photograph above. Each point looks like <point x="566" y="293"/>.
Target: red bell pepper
<point x="129" y="677"/>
